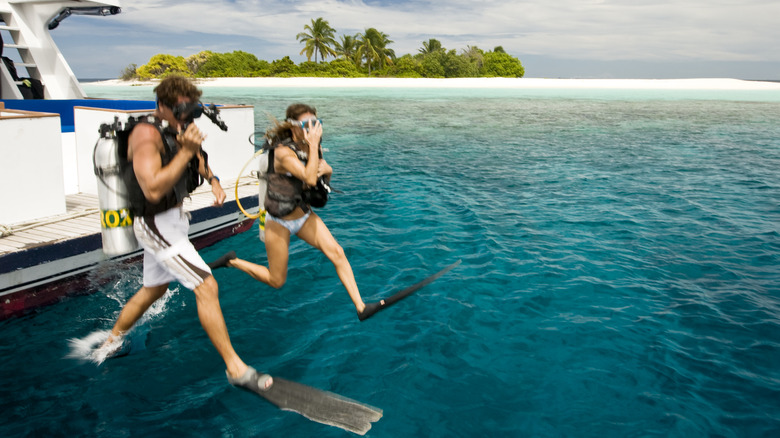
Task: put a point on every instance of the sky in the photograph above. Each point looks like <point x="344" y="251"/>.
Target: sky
<point x="553" y="39"/>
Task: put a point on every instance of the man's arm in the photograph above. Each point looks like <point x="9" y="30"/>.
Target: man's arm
<point x="155" y="180"/>
<point x="216" y="187"/>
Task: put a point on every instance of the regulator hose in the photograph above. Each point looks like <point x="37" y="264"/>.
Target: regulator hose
<point x="238" y="201"/>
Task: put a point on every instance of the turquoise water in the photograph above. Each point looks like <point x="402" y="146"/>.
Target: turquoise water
<point x="620" y="277"/>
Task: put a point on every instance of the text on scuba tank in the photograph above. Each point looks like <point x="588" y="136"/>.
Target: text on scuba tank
<point x="116" y="218"/>
<point x="262" y="220"/>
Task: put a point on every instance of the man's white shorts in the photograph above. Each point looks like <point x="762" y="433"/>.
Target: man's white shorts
<point x="168" y="252"/>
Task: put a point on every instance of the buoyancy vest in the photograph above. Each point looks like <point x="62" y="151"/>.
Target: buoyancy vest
<point x="187" y="183"/>
<point x="284" y="192"/>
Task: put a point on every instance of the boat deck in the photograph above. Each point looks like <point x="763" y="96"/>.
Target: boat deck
<point x="82" y="217"/>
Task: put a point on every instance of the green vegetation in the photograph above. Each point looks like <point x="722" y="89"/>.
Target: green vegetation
<point x="163" y="65"/>
<point x="235" y="64"/>
<point x="360" y="55"/>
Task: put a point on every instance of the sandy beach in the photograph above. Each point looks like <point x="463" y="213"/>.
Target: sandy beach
<point x="530" y="83"/>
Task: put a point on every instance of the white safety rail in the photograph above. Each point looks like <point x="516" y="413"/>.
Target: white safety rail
<point x="47" y="209"/>
<point x="227" y="150"/>
<point x="31" y="151"/>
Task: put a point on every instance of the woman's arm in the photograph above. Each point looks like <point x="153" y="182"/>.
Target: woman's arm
<point x="325" y="169"/>
<point x="285" y="160"/>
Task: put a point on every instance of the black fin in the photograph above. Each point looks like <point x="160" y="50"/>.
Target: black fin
<point x="373" y="308"/>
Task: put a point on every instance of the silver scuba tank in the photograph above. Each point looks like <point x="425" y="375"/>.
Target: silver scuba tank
<point x="262" y="186"/>
<point x="116" y="219"/>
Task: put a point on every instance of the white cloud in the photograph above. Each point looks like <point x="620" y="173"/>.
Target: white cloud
<point x="584" y="38"/>
<point x="607" y="30"/>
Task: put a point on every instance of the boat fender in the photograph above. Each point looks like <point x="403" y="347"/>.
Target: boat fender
<point x="116" y="217"/>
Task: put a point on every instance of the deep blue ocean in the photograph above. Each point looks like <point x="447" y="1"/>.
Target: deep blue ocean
<point x="620" y="277"/>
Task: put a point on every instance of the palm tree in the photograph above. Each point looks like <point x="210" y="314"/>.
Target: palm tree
<point x="430" y="46"/>
<point x="319" y="39"/>
<point x="348" y="47"/>
<point x="474" y="54"/>
<point x="372" y="46"/>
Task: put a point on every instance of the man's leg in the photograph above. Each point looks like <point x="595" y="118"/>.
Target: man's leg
<point x="210" y="314"/>
<point x="135" y="308"/>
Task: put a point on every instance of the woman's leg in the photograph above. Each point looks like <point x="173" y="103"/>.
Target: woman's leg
<point x="277" y="246"/>
<point x="316" y="233"/>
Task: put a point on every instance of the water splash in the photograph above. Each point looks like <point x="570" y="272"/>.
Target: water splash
<point x="87" y="349"/>
<point x="94" y="348"/>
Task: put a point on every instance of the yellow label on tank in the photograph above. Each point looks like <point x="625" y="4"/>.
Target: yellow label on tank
<point x="116" y="218"/>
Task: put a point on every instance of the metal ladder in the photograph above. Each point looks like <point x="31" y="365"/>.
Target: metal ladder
<point x="9" y="87"/>
<point x="29" y="23"/>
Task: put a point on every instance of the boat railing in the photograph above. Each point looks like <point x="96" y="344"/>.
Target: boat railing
<point x="52" y="143"/>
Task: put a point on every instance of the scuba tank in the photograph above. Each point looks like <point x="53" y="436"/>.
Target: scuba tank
<point x="116" y="218"/>
<point x="262" y="157"/>
<point x="262" y="188"/>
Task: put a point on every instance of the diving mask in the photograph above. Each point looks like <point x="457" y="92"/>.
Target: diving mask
<point x="305" y="124"/>
<point x="187" y="112"/>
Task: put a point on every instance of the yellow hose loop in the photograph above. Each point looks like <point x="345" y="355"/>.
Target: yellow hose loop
<point x="238" y="201"/>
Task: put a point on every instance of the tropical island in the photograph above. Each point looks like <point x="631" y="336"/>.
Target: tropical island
<point x="366" y="54"/>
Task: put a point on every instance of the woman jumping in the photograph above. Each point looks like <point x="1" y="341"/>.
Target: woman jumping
<point x="296" y="167"/>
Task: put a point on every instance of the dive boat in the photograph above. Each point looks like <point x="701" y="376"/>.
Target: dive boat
<point x="50" y="222"/>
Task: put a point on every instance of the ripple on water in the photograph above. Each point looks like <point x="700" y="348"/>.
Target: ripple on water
<point x="619" y="278"/>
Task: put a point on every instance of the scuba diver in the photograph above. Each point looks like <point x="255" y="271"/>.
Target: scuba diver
<point x="164" y="164"/>
<point x="296" y="177"/>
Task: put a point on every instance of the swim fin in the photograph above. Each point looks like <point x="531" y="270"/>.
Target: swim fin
<point x="315" y="404"/>
<point x="222" y="261"/>
<point x="373" y="308"/>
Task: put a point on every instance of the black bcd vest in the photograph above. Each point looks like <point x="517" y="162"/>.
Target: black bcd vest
<point x="187" y="183"/>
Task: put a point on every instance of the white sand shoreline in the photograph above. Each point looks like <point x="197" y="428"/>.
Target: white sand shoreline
<point x="523" y="83"/>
